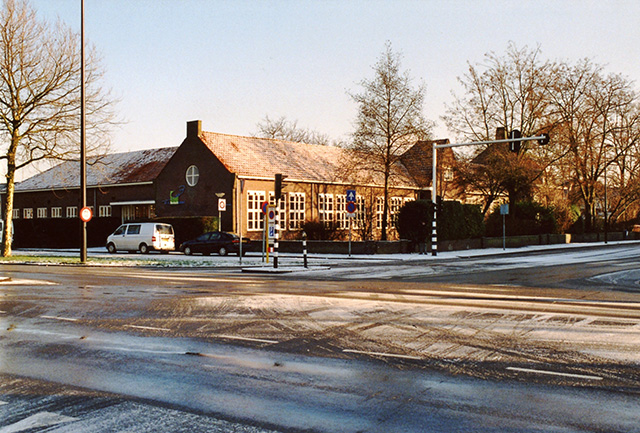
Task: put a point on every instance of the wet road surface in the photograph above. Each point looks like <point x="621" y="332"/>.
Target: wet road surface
<point x="199" y="347"/>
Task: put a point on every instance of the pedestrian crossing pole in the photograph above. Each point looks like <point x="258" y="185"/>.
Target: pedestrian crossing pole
<point x="277" y="189"/>
<point x="434" y="183"/>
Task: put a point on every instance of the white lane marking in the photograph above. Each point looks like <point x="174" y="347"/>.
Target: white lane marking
<point x="387" y="355"/>
<point x="555" y="373"/>
<point x="3" y="312"/>
<point x="256" y="340"/>
<point x="12" y="282"/>
<point x="3" y="402"/>
<point x="39" y="420"/>
<point x="148" y="328"/>
<point x="65" y="319"/>
<point x="196" y="279"/>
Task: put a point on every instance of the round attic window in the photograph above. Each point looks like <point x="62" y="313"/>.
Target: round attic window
<point x="192" y="175"/>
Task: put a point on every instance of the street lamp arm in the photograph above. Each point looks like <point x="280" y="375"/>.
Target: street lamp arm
<point x="434" y="182"/>
<point x="479" y="143"/>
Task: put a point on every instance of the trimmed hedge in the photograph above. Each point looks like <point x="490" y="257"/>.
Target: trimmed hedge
<point x="456" y="221"/>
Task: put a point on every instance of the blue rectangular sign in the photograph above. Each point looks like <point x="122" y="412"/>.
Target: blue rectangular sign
<point x="351" y="195"/>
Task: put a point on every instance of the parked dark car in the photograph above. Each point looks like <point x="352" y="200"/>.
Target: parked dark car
<point x="222" y="243"/>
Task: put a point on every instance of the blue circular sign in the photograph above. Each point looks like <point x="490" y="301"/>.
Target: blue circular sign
<point x="351" y="207"/>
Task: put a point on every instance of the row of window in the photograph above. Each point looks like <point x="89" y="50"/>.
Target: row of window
<point x="332" y="210"/>
<point x="56" y="212"/>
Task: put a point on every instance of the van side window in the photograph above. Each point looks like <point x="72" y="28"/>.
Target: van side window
<point x="120" y="230"/>
<point x="134" y="229"/>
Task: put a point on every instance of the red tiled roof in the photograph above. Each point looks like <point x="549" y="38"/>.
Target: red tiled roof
<point x="264" y="157"/>
<point x="250" y="156"/>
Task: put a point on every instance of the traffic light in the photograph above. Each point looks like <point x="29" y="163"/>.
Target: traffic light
<point x="514" y="146"/>
<point x="545" y="139"/>
<point x="278" y="186"/>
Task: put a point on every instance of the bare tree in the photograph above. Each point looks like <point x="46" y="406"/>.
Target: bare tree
<point x="509" y="92"/>
<point x="284" y="129"/>
<point x="590" y="110"/>
<point x="389" y="121"/>
<point x="40" y="96"/>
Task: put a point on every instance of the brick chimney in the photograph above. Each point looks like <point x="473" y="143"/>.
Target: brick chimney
<point x="501" y="133"/>
<point x="194" y="128"/>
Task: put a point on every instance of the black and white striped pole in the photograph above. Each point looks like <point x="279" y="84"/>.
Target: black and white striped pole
<point x="543" y="139"/>
<point x="434" y="183"/>
<point x="304" y="249"/>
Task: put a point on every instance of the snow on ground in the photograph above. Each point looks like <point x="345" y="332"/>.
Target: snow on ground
<point x="373" y="266"/>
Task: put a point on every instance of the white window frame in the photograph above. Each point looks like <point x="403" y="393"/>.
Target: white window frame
<point x="297" y="210"/>
<point x="56" y="212"/>
<point x="342" y="220"/>
<point x="104" y="211"/>
<point x="41" y="212"/>
<point x="72" y="211"/>
<point x="360" y="212"/>
<point x="255" y="220"/>
<point x="395" y="203"/>
<point x="192" y="175"/>
<point x="27" y="213"/>
<point x="379" y="211"/>
<point x="16" y="214"/>
<point x="325" y="209"/>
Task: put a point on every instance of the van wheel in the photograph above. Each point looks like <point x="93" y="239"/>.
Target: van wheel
<point x="222" y="251"/>
<point x="187" y="251"/>
<point x="111" y="248"/>
<point x="144" y="249"/>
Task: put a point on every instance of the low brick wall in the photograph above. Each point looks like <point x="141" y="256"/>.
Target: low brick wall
<point x="342" y="247"/>
<point x="405" y="246"/>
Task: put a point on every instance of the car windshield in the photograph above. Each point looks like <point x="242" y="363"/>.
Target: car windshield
<point x="120" y="230"/>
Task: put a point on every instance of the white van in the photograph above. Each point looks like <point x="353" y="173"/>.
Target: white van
<point x="142" y="237"/>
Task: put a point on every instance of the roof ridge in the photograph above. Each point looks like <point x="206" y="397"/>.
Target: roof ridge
<point x="276" y="140"/>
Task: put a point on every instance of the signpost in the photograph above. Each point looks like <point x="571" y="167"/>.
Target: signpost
<point x="351" y="211"/>
<point x="504" y="210"/>
<point x="222" y="206"/>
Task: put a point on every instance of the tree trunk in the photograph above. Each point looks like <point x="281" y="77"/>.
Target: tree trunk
<point x="385" y="205"/>
<point x="7" y="235"/>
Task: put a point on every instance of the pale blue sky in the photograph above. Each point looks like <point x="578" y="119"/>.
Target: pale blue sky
<point x="230" y="63"/>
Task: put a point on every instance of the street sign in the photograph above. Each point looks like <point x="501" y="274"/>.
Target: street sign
<point x="504" y="209"/>
<point x="351" y="207"/>
<point x="86" y="214"/>
<point x="351" y="195"/>
<point x="222" y="204"/>
<point x="264" y="206"/>
<point x="272" y="214"/>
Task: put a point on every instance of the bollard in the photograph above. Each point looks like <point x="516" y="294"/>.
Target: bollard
<point x="304" y="248"/>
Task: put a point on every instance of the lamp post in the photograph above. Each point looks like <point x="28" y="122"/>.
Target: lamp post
<point x="83" y="155"/>
<point x="606" y="213"/>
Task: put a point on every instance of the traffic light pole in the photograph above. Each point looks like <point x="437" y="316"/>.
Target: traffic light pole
<point x="543" y="139"/>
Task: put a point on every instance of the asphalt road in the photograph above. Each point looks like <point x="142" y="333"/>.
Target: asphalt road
<point x="528" y="343"/>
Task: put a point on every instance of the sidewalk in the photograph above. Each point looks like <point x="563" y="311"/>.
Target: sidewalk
<point x="100" y="257"/>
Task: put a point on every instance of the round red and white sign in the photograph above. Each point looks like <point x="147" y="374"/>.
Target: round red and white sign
<point x="86" y="214"/>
